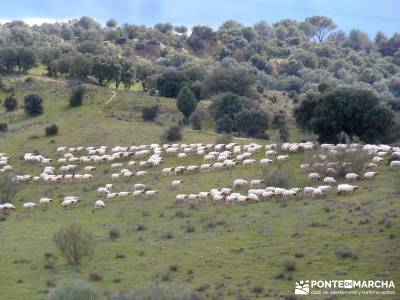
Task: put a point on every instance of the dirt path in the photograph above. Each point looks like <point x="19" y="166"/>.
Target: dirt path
<point x="114" y="93"/>
<point x="217" y="134"/>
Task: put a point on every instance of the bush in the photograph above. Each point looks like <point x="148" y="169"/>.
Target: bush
<point x="8" y="188"/>
<point x="10" y="103"/>
<point x="173" y="134"/>
<point x="114" y="234"/>
<point x="150" y="113"/>
<point x="51" y="130"/>
<point x="74" y="243"/>
<point x="196" y="122"/>
<point x="251" y="123"/>
<point x="76" y="98"/>
<point x="276" y="178"/>
<point x="3" y="127"/>
<point x="74" y="290"/>
<point x="95" y="277"/>
<point x="289" y="264"/>
<point x="157" y="291"/>
<point x="224" y="139"/>
<point x="33" y="105"/>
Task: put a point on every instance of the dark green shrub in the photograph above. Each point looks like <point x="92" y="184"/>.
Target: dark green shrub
<point x="150" y="113"/>
<point x="76" y="98"/>
<point x="33" y="105"/>
<point x="10" y="103"/>
<point x="51" y="130"/>
<point x="196" y="122"/>
<point x="3" y="127"/>
<point x="173" y="134"/>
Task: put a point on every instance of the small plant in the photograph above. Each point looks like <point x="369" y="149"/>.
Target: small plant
<point x="3" y="127"/>
<point x="224" y="139"/>
<point x="74" y="290"/>
<point x="150" y="113"/>
<point x="114" y="234"/>
<point x="166" y="276"/>
<point x="74" y="243"/>
<point x="344" y="252"/>
<point x="76" y="98"/>
<point x="276" y="178"/>
<point x="289" y="264"/>
<point x="51" y="130"/>
<point x="95" y="277"/>
<point x="8" y="188"/>
<point x="173" y="134"/>
<point x="173" y="268"/>
<point x="167" y="235"/>
<point x="10" y="103"/>
<point x="50" y="260"/>
<point x="140" y="227"/>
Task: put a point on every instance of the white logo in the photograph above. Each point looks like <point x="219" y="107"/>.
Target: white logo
<point x="302" y="287"/>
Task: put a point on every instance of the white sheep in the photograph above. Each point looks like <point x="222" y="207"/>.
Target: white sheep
<point x="99" y="204"/>
<point x="314" y="176"/>
<point x="352" y="176"/>
<point x="370" y="175"/>
<point x="180" y="198"/>
<point x="29" y="205"/>
<point x="346" y="189"/>
<point x="395" y="164"/>
<point x="176" y="184"/>
<point x="45" y="201"/>
<point x="329" y="180"/>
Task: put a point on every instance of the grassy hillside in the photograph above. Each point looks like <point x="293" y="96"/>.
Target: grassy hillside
<point x="234" y="252"/>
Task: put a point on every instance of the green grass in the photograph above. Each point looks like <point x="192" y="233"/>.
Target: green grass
<point x="233" y="249"/>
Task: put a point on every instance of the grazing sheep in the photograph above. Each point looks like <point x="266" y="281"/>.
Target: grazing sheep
<point x="29" y="205"/>
<point x="256" y="183"/>
<point x="324" y="189"/>
<point x="180" y="198"/>
<point x="176" y="184"/>
<point x="329" y="180"/>
<point x="346" y="189"/>
<point x="204" y="196"/>
<point x="103" y="191"/>
<point x="317" y="193"/>
<point x="151" y="194"/>
<point x="395" y="164"/>
<point x="252" y="198"/>
<point x="282" y="158"/>
<point x="265" y="162"/>
<point x="370" y="175"/>
<point x="141" y="173"/>
<point x="352" y="176"/>
<point x="111" y="196"/>
<point x="139" y="187"/>
<point x="249" y="162"/>
<point x="314" y="176"/>
<point x="137" y="194"/>
<point x="99" y="204"/>
<point x="45" y="202"/>
<point x="308" y="191"/>
<point x="123" y="194"/>
<point x="240" y="183"/>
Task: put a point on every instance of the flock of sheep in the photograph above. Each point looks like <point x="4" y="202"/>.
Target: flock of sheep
<point x="134" y="161"/>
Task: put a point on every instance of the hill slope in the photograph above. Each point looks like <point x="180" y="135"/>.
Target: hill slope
<point x="233" y="252"/>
